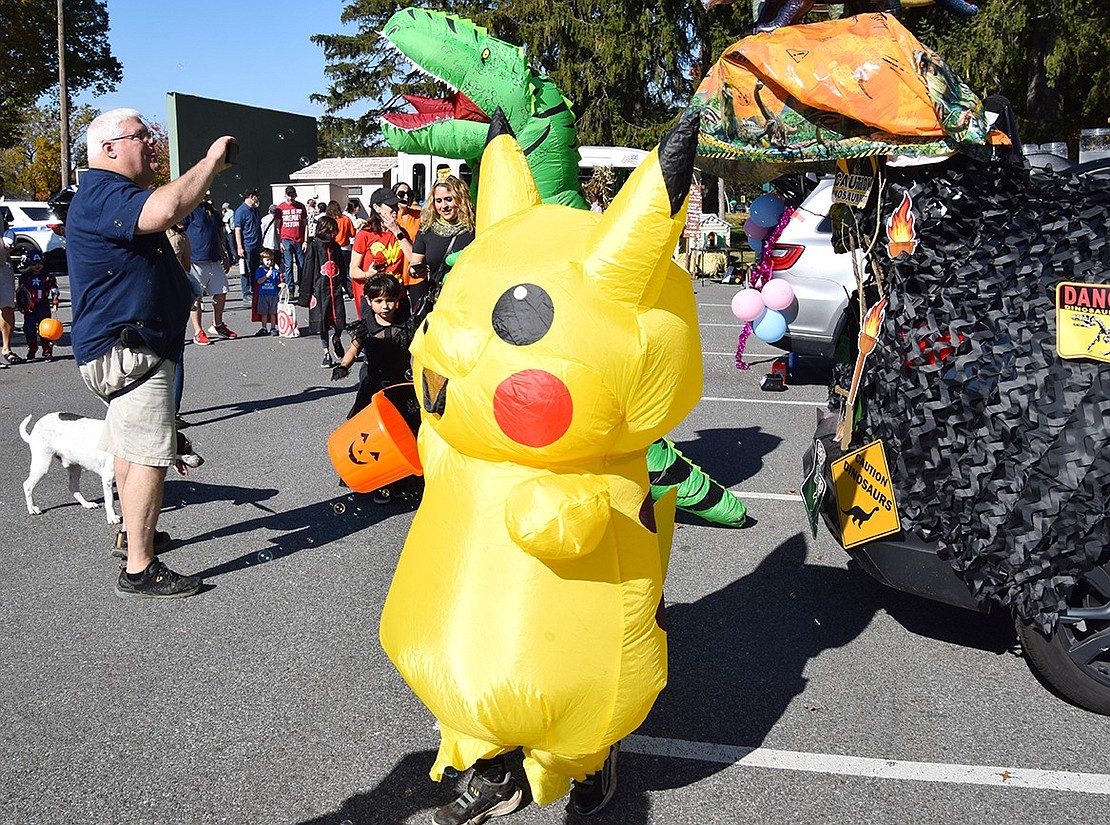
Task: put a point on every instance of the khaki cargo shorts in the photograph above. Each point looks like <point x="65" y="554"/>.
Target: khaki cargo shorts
<point x="139" y="426"/>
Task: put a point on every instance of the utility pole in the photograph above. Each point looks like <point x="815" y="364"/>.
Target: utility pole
<point x="63" y="99"/>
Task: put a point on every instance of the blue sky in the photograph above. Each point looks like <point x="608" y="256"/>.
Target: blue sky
<point x="255" y="52"/>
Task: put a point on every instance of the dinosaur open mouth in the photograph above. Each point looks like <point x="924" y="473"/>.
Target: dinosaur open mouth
<point x="429" y="110"/>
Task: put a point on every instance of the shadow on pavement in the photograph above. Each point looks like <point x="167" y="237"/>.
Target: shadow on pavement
<point x="255" y="405"/>
<point x="737" y="656"/>
<point x="303" y="528"/>
<point x="406" y="791"/>
<point x="717" y="452"/>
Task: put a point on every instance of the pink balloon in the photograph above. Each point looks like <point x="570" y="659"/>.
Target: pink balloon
<point x="747" y="304"/>
<point x="778" y="294"/>
<point x="754" y="231"/>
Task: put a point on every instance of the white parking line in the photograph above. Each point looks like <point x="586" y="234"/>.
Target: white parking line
<point x="743" y="494"/>
<point x="741" y="758"/>
<point x="814" y="403"/>
<point x="749" y="354"/>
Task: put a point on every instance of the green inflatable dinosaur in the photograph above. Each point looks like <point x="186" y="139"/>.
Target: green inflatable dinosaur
<point x="483" y="73"/>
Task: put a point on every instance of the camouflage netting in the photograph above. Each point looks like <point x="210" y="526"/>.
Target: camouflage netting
<point x="999" y="449"/>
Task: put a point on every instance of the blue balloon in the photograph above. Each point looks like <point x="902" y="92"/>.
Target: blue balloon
<point x="756" y="245"/>
<point x="766" y="210"/>
<point x="770" y="326"/>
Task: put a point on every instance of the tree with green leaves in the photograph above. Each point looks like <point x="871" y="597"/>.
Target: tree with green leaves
<point x="627" y="67"/>
<point x="29" y="55"/>
<point x="1051" y="59"/>
<point x="32" y="164"/>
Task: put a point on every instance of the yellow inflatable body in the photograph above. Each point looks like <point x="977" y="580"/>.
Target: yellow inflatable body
<point x="526" y="610"/>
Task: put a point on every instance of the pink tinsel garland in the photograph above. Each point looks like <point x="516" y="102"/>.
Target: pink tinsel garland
<point x="760" y="275"/>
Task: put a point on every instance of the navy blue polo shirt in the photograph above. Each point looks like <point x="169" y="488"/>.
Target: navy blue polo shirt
<point x="247" y="219"/>
<point x="118" y="278"/>
<point x="205" y="229"/>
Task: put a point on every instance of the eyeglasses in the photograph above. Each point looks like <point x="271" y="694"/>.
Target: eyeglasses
<point x="404" y="195"/>
<point x="142" y="135"/>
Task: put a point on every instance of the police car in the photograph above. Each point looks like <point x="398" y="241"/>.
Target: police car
<point x="33" y="226"/>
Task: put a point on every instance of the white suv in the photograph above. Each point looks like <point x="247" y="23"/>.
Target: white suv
<point x="823" y="280"/>
<point x="32" y="225"/>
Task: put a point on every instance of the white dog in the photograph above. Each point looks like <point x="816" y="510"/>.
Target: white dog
<point x="73" y="439"/>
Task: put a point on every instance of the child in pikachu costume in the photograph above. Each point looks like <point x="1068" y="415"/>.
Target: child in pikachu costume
<point x="526" y="609"/>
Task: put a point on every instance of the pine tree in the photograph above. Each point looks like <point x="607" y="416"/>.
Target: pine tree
<point x="1051" y="59"/>
<point x="627" y="67"/>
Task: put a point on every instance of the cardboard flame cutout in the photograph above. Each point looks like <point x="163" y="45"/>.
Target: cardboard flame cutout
<point x="868" y="337"/>
<point x="901" y="231"/>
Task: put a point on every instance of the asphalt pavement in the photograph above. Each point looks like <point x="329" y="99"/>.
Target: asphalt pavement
<point x="800" y="691"/>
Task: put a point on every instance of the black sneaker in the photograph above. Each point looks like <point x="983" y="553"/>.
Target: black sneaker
<point x="327" y="362"/>
<point x="162" y="542"/>
<point x="594" y="792"/>
<point x="157" y="582"/>
<point x="481" y="800"/>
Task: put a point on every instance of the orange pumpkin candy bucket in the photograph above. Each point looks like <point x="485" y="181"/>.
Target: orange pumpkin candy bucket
<point x="50" y="329"/>
<point x="375" y="448"/>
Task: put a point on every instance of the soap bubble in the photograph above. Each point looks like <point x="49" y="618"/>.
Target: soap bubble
<point x="304" y="161"/>
<point x="265" y="556"/>
<point x="340" y="508"/>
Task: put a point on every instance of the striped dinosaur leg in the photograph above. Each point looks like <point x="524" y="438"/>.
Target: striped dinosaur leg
<point x="697" y="492"/>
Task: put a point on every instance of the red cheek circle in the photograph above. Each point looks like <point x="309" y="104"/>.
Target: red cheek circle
<point x="533" y="408"/>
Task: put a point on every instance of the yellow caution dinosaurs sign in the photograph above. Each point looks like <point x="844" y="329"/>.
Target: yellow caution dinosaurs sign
<point x="526" y="610"/>
<point x="1083" y="321"/>
<point x="864" y="496"/>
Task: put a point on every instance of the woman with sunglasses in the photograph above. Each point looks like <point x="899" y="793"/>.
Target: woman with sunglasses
<point x="446" y="227"/>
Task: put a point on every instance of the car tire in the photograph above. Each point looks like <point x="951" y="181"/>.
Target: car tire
<point x="21" y="248"/>
<point x="1075" y="659"/>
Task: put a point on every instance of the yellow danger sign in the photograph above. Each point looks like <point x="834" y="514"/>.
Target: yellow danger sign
<point x="864" y="496"/>
<point x="1083" y="321"/>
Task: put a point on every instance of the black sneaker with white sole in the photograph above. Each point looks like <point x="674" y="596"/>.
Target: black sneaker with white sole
<point x="157" y="582"/>
<point x="594" y="792"/>
<point x="162" y="542"/>
<point x="481" y="800"/>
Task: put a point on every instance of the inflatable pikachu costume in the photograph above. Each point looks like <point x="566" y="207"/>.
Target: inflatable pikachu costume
<point x="526" y="608"/>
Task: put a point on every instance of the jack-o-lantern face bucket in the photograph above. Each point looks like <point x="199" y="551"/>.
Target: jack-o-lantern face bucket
<point x="374" y="448"/>
<point x="50" y="329"/>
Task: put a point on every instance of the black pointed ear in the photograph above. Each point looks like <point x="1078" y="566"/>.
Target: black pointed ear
<point x="499" y="125"/>
<point x="676" y="157"/>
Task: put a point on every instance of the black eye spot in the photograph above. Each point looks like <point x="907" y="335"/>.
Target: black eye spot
<point x="523" y="315"/>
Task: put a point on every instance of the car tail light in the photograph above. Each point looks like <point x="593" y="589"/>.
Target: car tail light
<point x="58" y="228"/>
<point x="785" y="255"/>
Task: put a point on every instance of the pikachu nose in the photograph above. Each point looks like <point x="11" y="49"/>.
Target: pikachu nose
<point x="435" y="392"/>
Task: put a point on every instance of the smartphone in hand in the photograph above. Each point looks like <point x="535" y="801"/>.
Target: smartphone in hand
<point x="231" y="152"/>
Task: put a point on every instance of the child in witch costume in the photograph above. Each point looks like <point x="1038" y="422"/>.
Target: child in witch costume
<point x="37" y="296"/>
<point x="323" y="287"/>
<point x="385" y="342"/>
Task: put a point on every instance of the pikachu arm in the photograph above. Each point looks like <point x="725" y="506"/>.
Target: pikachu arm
<point x="558" y="516"/>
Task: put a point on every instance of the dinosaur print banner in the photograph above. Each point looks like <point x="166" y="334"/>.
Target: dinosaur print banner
<point x="855" y="87"/>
